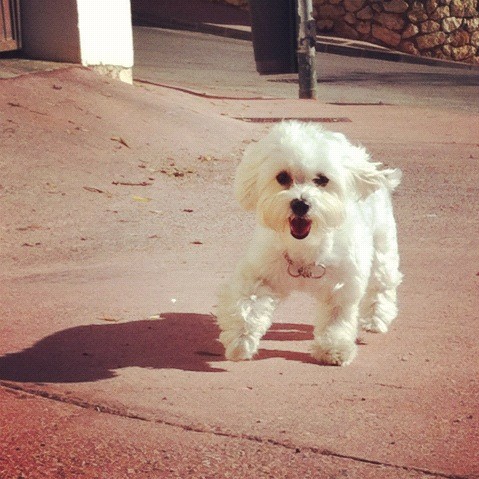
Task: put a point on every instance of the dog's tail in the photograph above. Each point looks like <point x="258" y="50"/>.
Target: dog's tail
<point x="393" y="178"/>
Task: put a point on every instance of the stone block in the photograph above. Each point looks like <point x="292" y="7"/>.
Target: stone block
<point x="395" y="6"/>
<point x="364" y="28"/>
<point x="409" y="47"/>
<point x="459" y="38"/>
<point x="331" y="11"/>
<point x="464" y="8"/>
<point x="354" y="5"/>
<point x="462" y="53"/>
<point x="431" y="6"/>
<point x="417" y="13"/>
<point x="440" y="13"/>
<point x="350" y="18"/>
<point x="410" y="31"/>
<point x="345" y="30"/>
<point x="365" y="14"/>
<point x="392" y="21"/>
<point x="457" y="8"/>
<point x="438" y="53"/>
<point x="430" y="27"/>
<point x="450" y="24"/>
<point x="471" y="24"/>
<point x="325" y="25"/>
<point x="475" y="39"/>
<point x="431" y="40"/>
<point x="447" y="50"/>
<point x="390" y="38"/>
<point x="465" y="53"/>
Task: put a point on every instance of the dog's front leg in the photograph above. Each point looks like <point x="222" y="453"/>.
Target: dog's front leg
<point x="245" y="311"/>
<point x="335" y="334"/>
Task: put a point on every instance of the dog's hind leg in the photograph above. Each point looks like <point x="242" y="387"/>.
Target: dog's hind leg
<point x="379" y="305"/>
<point x="245" y="313"/>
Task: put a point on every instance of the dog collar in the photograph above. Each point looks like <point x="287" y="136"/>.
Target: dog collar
<point x="310" y="271"/>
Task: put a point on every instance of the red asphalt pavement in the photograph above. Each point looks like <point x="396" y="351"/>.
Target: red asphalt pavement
<point x="117" y="227"/>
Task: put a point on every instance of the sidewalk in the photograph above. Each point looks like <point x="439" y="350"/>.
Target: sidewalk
<point x="118" y="226"/>
<point x="225" y="20"/>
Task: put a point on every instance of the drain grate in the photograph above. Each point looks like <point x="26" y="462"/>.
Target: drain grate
<point x="308" y="120"/>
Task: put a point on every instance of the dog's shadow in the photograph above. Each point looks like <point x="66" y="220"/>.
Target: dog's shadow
<point x="288" y="332"/>
<point x="94" y="352"/>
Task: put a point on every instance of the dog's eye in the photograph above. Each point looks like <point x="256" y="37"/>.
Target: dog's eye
<point x="321" y="180"/>
<point x="284" y="178"/>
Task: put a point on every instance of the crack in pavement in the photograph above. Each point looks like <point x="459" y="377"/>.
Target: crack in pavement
<point x="73" y="401"/>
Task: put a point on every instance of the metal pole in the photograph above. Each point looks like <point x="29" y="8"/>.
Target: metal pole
<point x="307" y="50"/>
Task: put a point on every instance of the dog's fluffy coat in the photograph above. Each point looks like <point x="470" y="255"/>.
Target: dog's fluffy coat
<point x="325" y="226"/>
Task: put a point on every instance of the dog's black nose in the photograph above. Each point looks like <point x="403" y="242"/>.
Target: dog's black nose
<point x="299" y="207"/>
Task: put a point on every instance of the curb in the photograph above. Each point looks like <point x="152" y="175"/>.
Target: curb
<point x="333" y="45"/>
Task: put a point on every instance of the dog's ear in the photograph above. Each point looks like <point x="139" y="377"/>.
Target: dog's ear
<point x="245" y="186"/>
<point x="366" y="175"/>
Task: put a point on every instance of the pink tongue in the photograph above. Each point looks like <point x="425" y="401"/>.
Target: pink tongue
<point x="300" y="227"/>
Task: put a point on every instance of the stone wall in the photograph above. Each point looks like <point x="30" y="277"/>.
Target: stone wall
<point x="446" y="29"/>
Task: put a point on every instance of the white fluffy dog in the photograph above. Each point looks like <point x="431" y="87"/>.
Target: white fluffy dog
<point x="325" y="226"/>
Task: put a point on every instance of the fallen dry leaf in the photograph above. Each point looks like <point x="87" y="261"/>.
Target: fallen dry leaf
<point x="93" y="190"/>
<point x="127" y="183"/>
<point x="141" y="199"/>
<point x="120" y="140"/>
<point x="32" y="228"/>
<point x="97" y="190"/>
<point x="207" y="158"/>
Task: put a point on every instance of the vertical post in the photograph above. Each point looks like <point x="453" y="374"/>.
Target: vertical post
<point x="307" y="50"/>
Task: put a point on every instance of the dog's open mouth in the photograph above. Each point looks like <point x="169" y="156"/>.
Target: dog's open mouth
<point x="300" y="226"/>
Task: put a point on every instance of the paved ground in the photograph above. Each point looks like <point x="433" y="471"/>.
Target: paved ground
<point x="115" y="202"/>
<point x="227" y="67"/>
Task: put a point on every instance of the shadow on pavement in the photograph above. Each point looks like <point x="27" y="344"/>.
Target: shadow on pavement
<point x="289" y="332"/>
<point x="192" y="12"/>
<point x="91" y="353"/>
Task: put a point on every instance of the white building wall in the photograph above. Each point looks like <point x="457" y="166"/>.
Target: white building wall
<point x="106" y="38"/>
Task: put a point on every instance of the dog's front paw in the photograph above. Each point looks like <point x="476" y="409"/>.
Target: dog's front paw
<point x="239" y="348"/>
<point x="374" y="325"/>
<point x="334" y="353"/>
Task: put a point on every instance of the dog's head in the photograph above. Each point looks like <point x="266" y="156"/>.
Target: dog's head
<point x="300" y="177"/>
